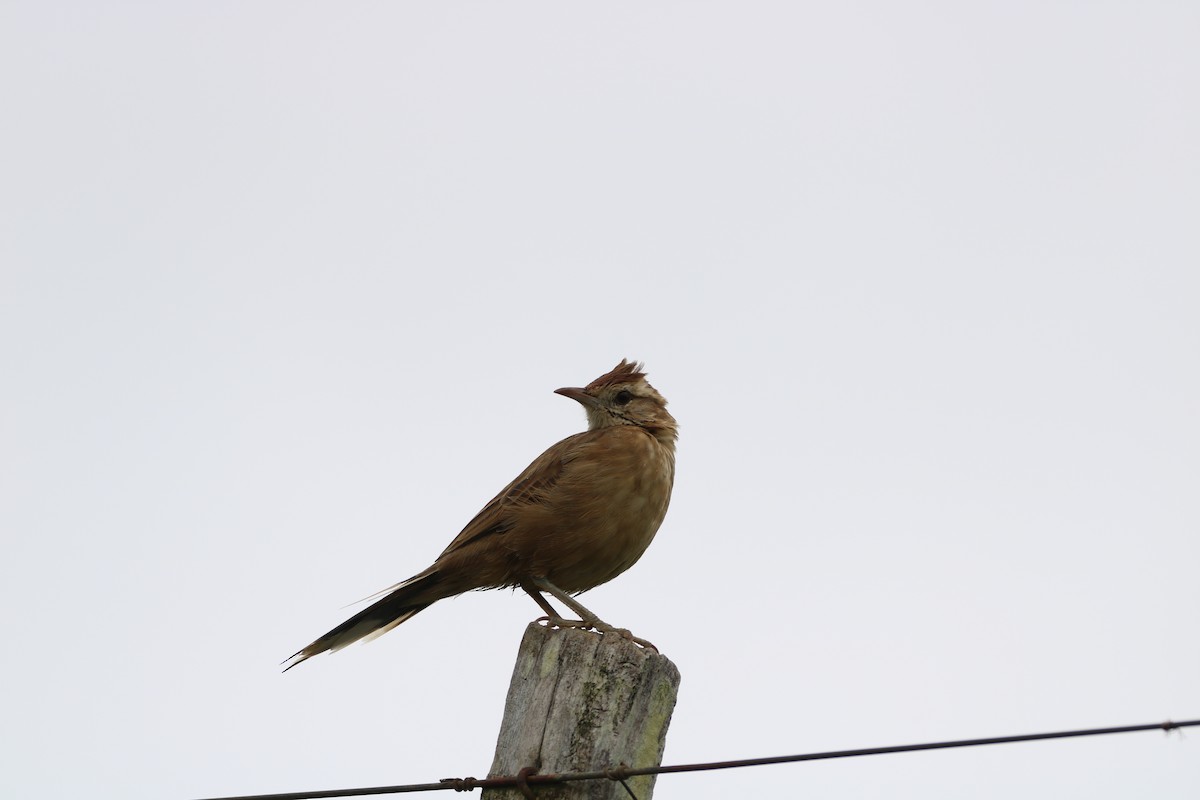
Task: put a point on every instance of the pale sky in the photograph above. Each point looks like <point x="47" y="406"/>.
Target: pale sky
<point x="285" y="289"/>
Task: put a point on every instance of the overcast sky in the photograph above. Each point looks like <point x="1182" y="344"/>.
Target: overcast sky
<point x="286" y="287"/>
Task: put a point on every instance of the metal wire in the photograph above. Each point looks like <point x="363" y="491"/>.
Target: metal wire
<point x="621" y="773"/>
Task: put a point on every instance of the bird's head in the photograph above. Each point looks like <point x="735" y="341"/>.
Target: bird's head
<point x="624" y="397"/>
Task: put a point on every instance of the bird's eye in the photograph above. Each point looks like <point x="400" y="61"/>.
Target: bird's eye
<point x="623" y="397"/>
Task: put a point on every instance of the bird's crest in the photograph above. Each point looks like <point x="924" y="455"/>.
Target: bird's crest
<point x="624" y="372"/>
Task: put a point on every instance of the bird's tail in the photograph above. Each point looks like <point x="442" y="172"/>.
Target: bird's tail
<point x="401" y="602"/>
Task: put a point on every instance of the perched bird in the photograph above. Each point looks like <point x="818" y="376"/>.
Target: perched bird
<point x="581" y="514"/>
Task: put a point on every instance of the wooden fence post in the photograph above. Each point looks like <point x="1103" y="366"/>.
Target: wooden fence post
<point x="580" y="702"/>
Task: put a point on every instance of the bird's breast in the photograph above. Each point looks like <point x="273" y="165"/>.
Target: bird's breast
<point x="610" y="502"/>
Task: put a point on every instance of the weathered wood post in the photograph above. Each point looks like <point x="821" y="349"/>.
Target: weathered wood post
<point x="580" y="702"/>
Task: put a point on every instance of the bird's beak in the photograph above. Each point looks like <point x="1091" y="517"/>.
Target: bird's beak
<point x="579" y="394"/>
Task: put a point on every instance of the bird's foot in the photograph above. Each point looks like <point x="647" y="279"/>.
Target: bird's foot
<point x="559" y="622"/>
<point x="597" y="625"/>
<point x="624" y="633"/>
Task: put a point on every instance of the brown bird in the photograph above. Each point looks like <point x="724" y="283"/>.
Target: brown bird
<point x="581" y="514"/>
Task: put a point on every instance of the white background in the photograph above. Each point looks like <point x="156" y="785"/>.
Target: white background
<point x="286" y="288"/>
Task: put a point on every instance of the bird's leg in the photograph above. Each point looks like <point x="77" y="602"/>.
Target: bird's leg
<point x="551" y="612"/>
<point x="552" y="617"/>
<point x="586" y="617"/>
<point x="543" y="585"/>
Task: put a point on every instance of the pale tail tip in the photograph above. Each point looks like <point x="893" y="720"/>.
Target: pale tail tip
<point x="294" y="660"/>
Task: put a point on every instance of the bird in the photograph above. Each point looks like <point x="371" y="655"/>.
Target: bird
<point x="581" y="514"/>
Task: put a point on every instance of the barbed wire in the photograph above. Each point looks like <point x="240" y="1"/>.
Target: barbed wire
<point x="527" y="778"/>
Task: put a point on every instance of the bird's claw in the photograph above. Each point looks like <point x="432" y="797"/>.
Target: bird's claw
<point x="598" y="626"/>
<point x="559" y="622"/>
<point x="626" y="634"/>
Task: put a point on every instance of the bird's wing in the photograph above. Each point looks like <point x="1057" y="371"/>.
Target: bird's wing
<point x="528" y="488"/>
